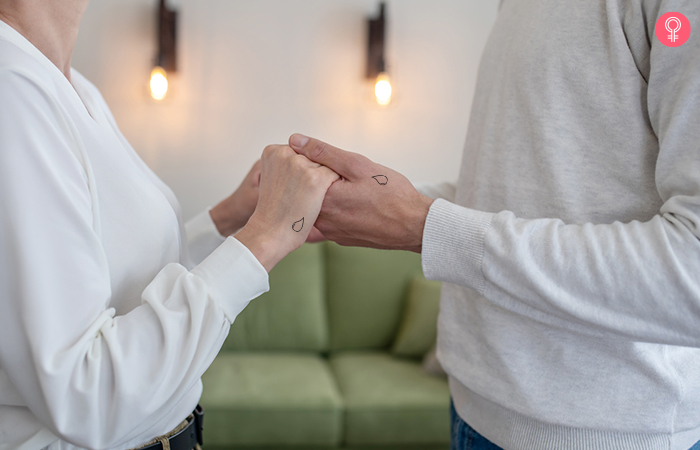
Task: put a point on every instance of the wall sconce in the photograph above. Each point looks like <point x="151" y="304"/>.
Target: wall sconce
<point x="166" y="60"/>
<point x="376" y="61"/>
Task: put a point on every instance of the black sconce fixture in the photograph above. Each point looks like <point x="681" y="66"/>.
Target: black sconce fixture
<point x="376" y="59"/>
<point x="166" y="59"/>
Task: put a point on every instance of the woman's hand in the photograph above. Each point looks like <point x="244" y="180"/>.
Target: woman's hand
<point x="292" y="189"/>
<point x="233" y="213"/>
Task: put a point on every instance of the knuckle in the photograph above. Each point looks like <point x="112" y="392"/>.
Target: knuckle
<point x="298" y="162"/>
<point x="268" y="151"/>
<point x="309" y="180"/>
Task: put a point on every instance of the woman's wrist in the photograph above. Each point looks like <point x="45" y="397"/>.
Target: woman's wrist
<point x="268" y="245"/>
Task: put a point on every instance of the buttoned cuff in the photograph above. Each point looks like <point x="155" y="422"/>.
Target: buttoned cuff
<point x="234" y="276"/>
<point x="453" y="244"/>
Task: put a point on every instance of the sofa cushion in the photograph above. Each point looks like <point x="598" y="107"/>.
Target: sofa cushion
<point x="271" y="399"/>
<point x="418" y="330"/>
<point x="366" y="290"/>
<point x="390" y="400"/>
<point x="292" y="315"/>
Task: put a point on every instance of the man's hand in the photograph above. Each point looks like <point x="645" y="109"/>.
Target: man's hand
<point x="233" y="213"/>
<point x="371" y="205"/>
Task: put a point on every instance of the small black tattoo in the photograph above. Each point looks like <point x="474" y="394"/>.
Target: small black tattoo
<point x="381" y="179"/>
<point x="298" y="225"/>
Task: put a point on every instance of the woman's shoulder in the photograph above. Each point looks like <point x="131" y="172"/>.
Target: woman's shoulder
<point x="29" y="98"/>
<point x="17" y="68"/>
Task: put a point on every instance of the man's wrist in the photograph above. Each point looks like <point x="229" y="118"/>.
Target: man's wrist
<point x="418" y="219"/>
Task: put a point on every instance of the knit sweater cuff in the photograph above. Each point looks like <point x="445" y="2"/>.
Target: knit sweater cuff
<point x="453" y="244"/>
<point x="234" y="277"/>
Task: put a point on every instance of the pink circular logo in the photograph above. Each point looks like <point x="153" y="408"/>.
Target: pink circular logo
<point x="673" y="29"/>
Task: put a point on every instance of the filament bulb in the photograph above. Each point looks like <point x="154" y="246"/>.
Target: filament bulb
<point x="159" y="83"/>
<point x="382" y="89"/>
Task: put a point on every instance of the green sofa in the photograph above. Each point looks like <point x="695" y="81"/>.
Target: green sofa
<point x="313" y="363"/>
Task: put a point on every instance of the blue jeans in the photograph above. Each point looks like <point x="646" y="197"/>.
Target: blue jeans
<point x="465" y="437"/>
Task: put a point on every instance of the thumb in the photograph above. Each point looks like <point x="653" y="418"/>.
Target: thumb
<point x="348" y="165"/>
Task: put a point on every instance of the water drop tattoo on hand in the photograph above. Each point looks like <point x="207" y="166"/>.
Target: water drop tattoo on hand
<point x="381" y="179"/>
<point x="298" y="225"/>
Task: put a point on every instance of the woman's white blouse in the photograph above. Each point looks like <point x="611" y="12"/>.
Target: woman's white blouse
<point x="106" y="324"/>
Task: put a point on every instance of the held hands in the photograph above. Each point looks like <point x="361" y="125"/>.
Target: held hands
<point x="371" y="205"/>
<point x="233" y="213"/>
<point x="292" y="189"/>
<point x="349" y="198"/>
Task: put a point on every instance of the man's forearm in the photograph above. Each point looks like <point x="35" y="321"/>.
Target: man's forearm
<point x="636" y="279"/>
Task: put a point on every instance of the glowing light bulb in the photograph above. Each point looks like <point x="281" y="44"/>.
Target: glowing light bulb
<point x="382" y="89"/>
<point x="159" y="83"/>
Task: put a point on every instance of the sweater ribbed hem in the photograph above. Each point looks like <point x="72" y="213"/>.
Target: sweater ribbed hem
<point x="453" y="244"/>
<point x="513" y="431"/>
<point x="234" y="276"/>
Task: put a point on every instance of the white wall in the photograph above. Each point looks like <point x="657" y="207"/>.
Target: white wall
<point x="252" y="72"/>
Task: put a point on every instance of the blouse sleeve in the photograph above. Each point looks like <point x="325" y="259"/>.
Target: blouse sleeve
<point x="94" y="379"/>
<point x="202" y="236"/>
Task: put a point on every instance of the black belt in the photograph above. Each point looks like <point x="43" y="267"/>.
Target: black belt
<point x="188" y="437"/>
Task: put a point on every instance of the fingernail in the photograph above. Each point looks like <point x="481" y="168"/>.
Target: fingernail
<point x="298" y="141"/>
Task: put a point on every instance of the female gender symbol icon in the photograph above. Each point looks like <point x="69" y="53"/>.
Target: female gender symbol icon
<point x="677" y="25"/>
<point x="674" y="30"/>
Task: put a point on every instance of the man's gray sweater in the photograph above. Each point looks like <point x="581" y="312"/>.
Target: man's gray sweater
<point x="570" y="316"/>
